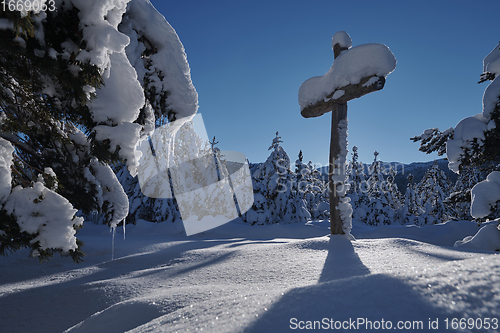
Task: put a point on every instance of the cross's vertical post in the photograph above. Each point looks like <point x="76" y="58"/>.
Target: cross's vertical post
<point x="339" y="113"/>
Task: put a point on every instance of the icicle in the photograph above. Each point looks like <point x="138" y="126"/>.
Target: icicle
<point x="164" y="154"/>
<point x="113" y="231"/>
<point x="170" y="147"/>
<point x="169" y="140"/>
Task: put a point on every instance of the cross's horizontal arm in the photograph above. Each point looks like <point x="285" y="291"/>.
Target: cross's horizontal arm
<point x="351" y="91"/>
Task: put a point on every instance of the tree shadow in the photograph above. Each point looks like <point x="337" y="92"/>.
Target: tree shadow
<point x="41" y="296"/>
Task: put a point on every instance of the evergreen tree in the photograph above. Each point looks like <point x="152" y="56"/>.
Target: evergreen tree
<point x="299" y="165"/>
<point x="459" y="199"/>
<point x="433" y="190"/>
<point x="276" y="196"/>
<point x="44" y="99"/>
<point x="62" y="123"/>
<point x="411" y="208"/>
<point x="315" y="191"/>
<point x="358" y="190"/>
<point x="142" y="207"/>
<point x="474" y="142"/>
<point x="379" y="210"/>
<point x="460" y="194"/>
<point x="392" y="193"/>
<point x="356" y="177"/>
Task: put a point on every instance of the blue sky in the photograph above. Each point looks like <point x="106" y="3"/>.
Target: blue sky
<point x="249" y="58"/>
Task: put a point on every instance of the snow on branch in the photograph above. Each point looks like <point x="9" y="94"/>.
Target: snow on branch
<point x="160" y="60"/>
<point x="485" y="195"/>
<point x="42" y="211"/>
<point x="6" y="158"/>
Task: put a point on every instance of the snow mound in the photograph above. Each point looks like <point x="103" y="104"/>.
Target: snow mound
<point x="137" y="313"/>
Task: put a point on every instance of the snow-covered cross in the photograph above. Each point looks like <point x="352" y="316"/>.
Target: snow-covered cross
<point x="356" y="71"/>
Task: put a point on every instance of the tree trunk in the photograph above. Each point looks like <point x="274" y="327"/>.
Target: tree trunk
<point x="339" y="112"/>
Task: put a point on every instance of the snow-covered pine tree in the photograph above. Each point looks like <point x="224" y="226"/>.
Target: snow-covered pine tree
<point x="411" y="208"/>
<point x="259" y="213"/>
<point x="356" y="177"/>
<point x="62" y="122"/>
<point x="314" y="190"/>
<point x="432" y="191"/>
<point x="276" y="196"/>
<point x="391" y="191"/>
<point x="360" y="210"/>
<point x="379" y="210"/>
<point x="311" y="186"/>
<point x="482" y="149"/>
<point x="145" y="208"/>
<point x="299" y="165"/>
<point x="358" y="190"/>
<point x="475" y="140"/>
<point x="459" y="199"/>
<point x="44" y="95"/>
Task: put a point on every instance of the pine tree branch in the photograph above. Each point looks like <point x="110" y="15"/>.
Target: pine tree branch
<point x="433" y="140"/>
<point x="25" y="182"/>
<point x="29" y="166"/>
<point x="487" y="76"/>
<point x="14" y="139"/>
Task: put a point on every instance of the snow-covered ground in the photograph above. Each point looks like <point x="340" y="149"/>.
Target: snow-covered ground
<point x="274" y="278"/>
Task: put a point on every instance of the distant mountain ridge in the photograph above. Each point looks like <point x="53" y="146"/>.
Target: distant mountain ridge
<point x="417" y="169"/>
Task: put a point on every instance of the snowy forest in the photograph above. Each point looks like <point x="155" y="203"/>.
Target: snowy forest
<point x="286" y="192"/>
<point x="85" y="85"/>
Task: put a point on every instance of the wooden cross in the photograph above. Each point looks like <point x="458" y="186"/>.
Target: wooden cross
<point x="338" y="106"/>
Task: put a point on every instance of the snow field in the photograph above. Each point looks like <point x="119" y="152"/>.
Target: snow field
<point x="239" y="278"/>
